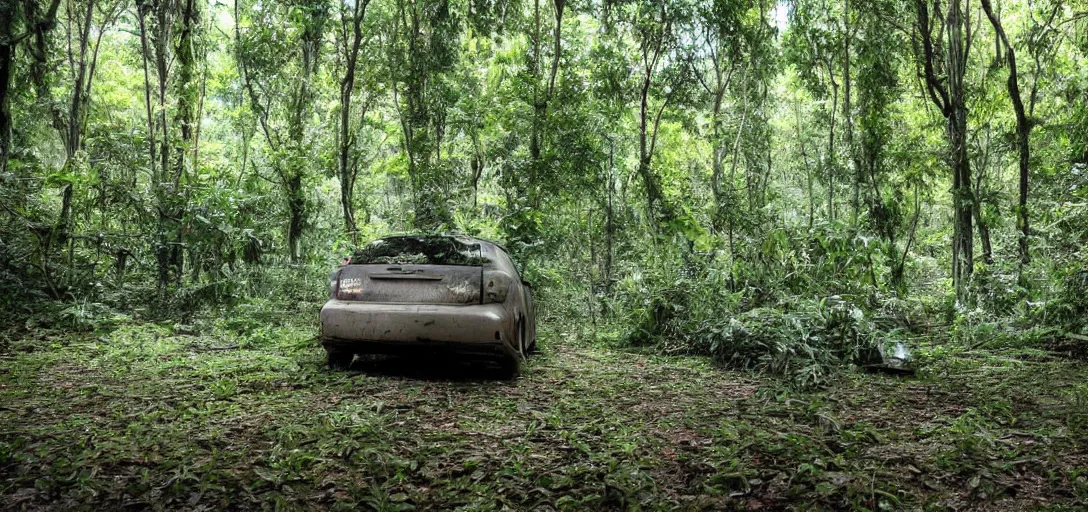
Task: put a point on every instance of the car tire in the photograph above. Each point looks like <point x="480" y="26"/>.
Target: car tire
<point x="509" y="367"/>
<point x="340" y="360"/>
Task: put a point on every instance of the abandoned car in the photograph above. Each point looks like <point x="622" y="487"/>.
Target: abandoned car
<point x="426" y="294"/>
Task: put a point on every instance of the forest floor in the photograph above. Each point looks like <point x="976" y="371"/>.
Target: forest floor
<point x="243" y="414"/>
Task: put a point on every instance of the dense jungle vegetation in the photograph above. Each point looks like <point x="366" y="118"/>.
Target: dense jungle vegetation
<point x="726" y="207"/>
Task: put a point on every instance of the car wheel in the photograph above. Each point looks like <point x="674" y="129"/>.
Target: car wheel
<point x="339" y="360"/>
<point x="509" y="367"/>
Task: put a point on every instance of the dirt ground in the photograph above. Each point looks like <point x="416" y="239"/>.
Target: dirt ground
<point x="233" y="417"/>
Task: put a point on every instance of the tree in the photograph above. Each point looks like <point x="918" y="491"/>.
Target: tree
<point x="1023" y="129"/>
<point x="662" y="75"/>
<point x="84" y="39"/>
<point x="36" y="24"/>
<point x="171" y="37"/>
<point x="815" y="47"/>
<point x="723" y="39"/>
<point x="347" y="159"/>
<point x="883" y="183"/>
<point x="542" y="93"/>
<point x="945" y="48"/>
<point x="421" y="45"/>
<point x="285" y="40"/>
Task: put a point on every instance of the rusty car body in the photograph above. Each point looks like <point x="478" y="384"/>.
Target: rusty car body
<point x="426" y="294"/>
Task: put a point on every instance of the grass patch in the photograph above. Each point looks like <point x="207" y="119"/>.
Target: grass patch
<point x="242" y="414"/>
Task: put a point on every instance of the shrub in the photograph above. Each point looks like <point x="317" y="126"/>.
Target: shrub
<point x="806" y="344"/>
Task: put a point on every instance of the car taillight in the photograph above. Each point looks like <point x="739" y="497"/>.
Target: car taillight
<point x="334" y="281"/>
<point x="496" y="287"/>
<point x="349" y="288"/>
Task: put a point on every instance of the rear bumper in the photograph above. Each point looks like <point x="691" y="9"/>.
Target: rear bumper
<point x="366" y="327"/>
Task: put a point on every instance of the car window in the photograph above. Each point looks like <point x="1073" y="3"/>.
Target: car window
<point x="420" y="250"/>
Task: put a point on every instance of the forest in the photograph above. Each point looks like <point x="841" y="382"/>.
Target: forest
<point x="729" y="210"/>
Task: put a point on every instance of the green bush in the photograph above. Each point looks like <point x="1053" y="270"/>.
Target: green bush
<point x="806" y="344"/>
<point x="751" y="317"/>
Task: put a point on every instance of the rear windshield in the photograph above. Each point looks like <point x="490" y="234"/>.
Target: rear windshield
<point x="420" y="250"/>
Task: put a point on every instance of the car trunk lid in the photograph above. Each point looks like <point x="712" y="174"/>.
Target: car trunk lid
<point x="411" y="284"/>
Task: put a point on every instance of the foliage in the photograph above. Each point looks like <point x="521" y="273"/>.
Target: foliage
<point x="235" y="410"/>
<point x="699" y="178"/>
<point x="769" y="186"/>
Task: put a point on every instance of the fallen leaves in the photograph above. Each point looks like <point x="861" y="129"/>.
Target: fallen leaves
<point x="139" y="419"/>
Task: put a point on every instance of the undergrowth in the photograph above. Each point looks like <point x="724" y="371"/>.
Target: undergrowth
<point x="236" y="410"/>
<point x="823" y="301"/>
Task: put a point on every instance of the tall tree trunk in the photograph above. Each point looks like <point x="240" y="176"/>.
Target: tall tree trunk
<point x="808" y="169"/>
<point x="347" y="142"/>
<point x="7" y="58"/>
<point x="187" y="119"/>
<point x="477" y="166"/>
<point x="38" y="25"/>
<point x="949" y="96"/>
<point x="161" y="255"/>
<point x="188" y="88"/>
<point x="538" y="102"/>
<point x="160" y="39"/>
<point x="610" y="226"/>
<point x="166" y="185"/>
<point x="718" y="157"/>
<point x="722" y="79"/>
<point x="963" y="239"/>
<point x="832" y="158"/>
<point x="301" y="103"/>
<point x="733" y="171"/>
<point x="296" y="204"/>
<point x="649" y="179"/>
<point x="416" y="114"/>
<point x="848" y="112"/>
<point x="1023" y="131"/>
<point x="72" y="127"/>
<point x="653" y="47"/>
<point x="541" y="99"/>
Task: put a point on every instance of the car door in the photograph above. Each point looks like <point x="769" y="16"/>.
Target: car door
<point x="524" y="297"/>
<point x="527" y="306"/>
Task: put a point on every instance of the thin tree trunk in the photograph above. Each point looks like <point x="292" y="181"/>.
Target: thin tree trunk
<point x="147" y="93"/>
<point x="37" y="27"/>
<point x="717" y="162"/>
<point x="1023" y="131"/>
<point x="187" y="119"/>
<point x="649" y="180"/>
<point x="538" y="107"/>
<point x="7" y="57"/>
<point x="347" y="142"/>
<point x="733" y="172"/>
<point x="74" y="127"/>
<point x="160" y="251"/>
<point x="948" y="95"/>
<point x="832" y="160"/>
<point x="477" y="166"/>
<point x="610" y="217"/>
<point x="7" y="68"/>
<point x="958" y="49"/>
<point x="808" y="169"/>
<point x="164" y="34"/>
<point x="848" y="112"/>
